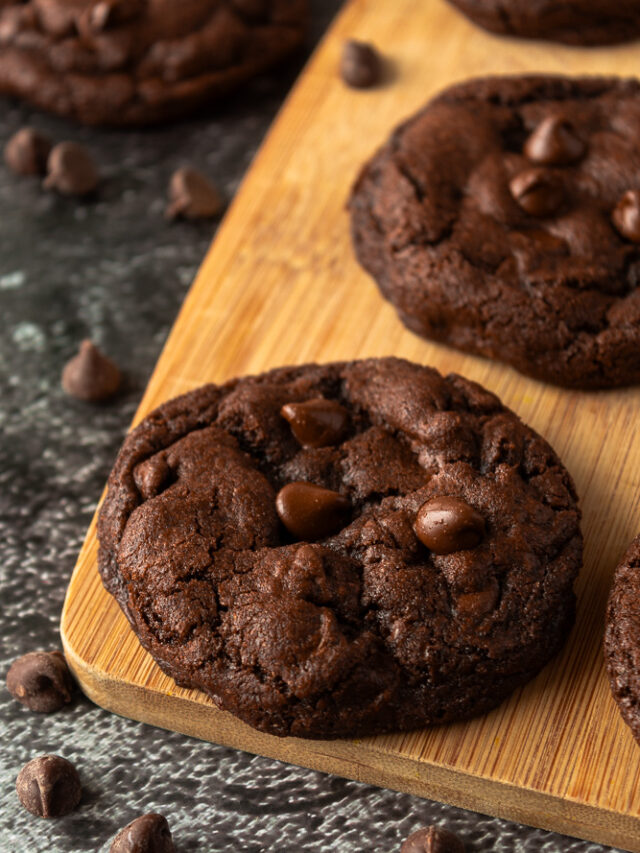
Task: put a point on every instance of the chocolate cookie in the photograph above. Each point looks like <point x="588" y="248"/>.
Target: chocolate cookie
<point x="504" y="219"/>
<point x="622" y="638"/>
<point x="580" y="22"/>
<point x="343" y="549"/>
<point x="129" y="62"/>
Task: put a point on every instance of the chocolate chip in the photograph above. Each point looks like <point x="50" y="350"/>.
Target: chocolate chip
<point x="41" y="681"/>
<point x="432" y="839"/>
<point x="90" y="375"/>
<point x="27" y="151"/>
<point x="554" y="142"/>
<point x="316" y="423"/>
<point x="111" y="13"/>
<point x="49" y="786"/>
<point x="626" y="216"/>
<point x="71" y="170"/>
<point x="537" y="191"/>
<point x="310" y="512"/>
<point x="148" y="833"/>
<point x="448" y="524"/>
<point x="192" y="196"/>
<point x="361" y="65"/>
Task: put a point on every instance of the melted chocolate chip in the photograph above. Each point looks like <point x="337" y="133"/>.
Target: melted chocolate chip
<point x="310" y="512"/>
<point x="41" y="681"/>
<point x="192" y="196"/>
<point x="71" y="170"/>
<point x="111" y="13"/>
<point x="448" y="524"/>
<point x="316" y="423"/>
<point x="432" y="839"/>
<point x="626" y="216"/>
<point x="90" y="375"/>
<point x="148" y="833"/>
<point x="554" y="142"/>
<point x="49" y="786"/>
<point x="537" y="192"/>
<point x="361" y="65"/>
<point x="27" y="152"/>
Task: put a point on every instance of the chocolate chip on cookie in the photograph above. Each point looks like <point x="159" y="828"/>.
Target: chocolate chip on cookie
<point x="398" y="550"/>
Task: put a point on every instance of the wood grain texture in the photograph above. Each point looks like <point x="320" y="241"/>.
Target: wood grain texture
<point x="280" y="286"/>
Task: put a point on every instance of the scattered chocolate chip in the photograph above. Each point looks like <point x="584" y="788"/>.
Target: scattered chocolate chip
<point x="146" y="834"/>
<point x="316" y="423"/>
<point x="41" y="681"/>
<point x="448" y="524"/>
<point x="192" y="196"/>
<point x="537" y="191"/>
<point x="554" y="142"/>
<point x="432" y="839"/>
<point x="90" y="375"/>
<point x="310" y="512"/>
<point x="361" y="65"/>
<point x="71" y="170"/>
<point x="49" y="786"/>
<point x="626" y="216"/>
<point x="27" y="151"/>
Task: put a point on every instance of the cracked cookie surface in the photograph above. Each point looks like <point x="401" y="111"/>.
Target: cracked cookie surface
<point x="131" y="62"/>
<point x="622" y="638"/>
<point x="366" y="629"/>
<point x="504" y="219"/>
<point x="579" y="22"/>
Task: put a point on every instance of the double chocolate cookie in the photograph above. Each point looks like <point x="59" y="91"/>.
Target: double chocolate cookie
<point x="504" y="219"/>
<point x="622" y="638"/>
<point x="343" y="549"/>
<point x="127" y="62"/>
<point x="579" y="22"/>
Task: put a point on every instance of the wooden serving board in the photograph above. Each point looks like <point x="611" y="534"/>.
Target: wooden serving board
<point x="281" y="286"/>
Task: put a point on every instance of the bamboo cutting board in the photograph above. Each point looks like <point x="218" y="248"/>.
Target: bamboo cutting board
<point x="279" y="286"/>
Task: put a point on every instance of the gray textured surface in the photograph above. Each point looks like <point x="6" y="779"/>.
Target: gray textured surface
<point x="115" y="271"/>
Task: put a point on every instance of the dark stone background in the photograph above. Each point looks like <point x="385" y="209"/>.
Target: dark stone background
<point x="115" y="271"/>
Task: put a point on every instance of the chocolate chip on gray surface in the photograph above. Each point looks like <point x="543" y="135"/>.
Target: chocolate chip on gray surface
<point x="90" y="375"/>
<point x="311" y="512"/>
<point x="364" y="630"/>
<point x="71" y="170"/>
<point x="49" y="786"/>
<point x="192" y="196"/>
<point x="554" y="142"/>
<point x="316" y="423"/>
<point x="576" y="22"/>
<point x="537" y="191"/>
<point x="148" y="833"/>
<point x="41" y="681"/>
<point x="626" y="216"/>
<point x="27" y="152"/>
<point x="360" y="65"/>
<point x="479" y="248"/>
<point x="432" y="839"/>
<point x="447" y="524"/>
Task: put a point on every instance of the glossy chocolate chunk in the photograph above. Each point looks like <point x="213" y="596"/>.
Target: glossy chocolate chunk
<point x="537" y="191"/>
<point x="148" y="833"/>
<point x="90" y="375"/>
<point x="361" y="65"/>
<point x="554" y="142"/>
<point x="192" y="196"/>
<point x="432" y="839"/>
<point x="41" y="681"/>
<point x="49" y="786"/>
<point x="71" y="170"/>
<point x="310" y="512"/>
<point x="448" y="524"/>
<point x="316" y="423"/>
<point x="27" y="152"/>
<point x="626" y="216"/>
